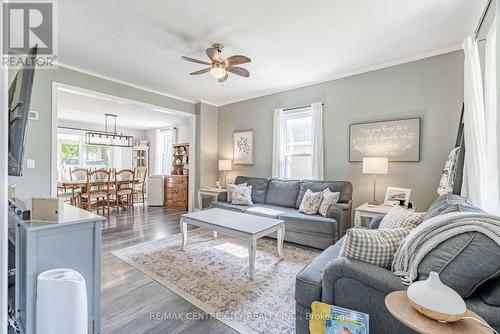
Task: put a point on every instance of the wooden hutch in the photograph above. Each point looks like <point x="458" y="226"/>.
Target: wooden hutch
<point x="177" y="184"/>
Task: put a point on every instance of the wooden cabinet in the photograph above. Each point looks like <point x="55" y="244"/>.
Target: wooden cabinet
<point x="176" y="191"/>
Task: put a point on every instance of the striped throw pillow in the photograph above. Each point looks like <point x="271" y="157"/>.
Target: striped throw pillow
<point x="398" y="218"/>
<point x="374" y="246"/>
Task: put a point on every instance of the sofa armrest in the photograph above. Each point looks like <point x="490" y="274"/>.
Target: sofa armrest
<point x="375" y="277"/>
<point x="341" y="212"/>
<point x="222" y="197"/>
<point x="375" y="223"/>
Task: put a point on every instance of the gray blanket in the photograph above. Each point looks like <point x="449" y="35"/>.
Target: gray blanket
<point x="434" y="231"/>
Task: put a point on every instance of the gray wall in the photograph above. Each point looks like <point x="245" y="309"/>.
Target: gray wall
<point x="431" y="88"/>
<point x="36" y="182"/>
<point x="207" y="151"/>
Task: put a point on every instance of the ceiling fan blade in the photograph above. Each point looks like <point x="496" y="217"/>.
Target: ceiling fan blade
<point x="236" y="60"/>
<point x="239" y="71"/>
<point x="224" y="78"/>
<point x="205" y="70"/>
<point x="213" y="54"/>
<point x="195" y="60"/>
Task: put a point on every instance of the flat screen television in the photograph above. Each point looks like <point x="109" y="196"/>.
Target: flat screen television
<point x="19" y="108"/>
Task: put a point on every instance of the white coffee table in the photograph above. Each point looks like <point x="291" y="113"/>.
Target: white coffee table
<point x="235" y="224"/>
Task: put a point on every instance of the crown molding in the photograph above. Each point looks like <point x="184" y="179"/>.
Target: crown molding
<point x="351" y="73"/>
<point x="81" y="70"/>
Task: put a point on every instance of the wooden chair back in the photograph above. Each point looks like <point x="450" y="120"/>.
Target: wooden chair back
<point x="98" y="180"/>
<point x="124" y="175"/>
<point x="140" y="175"/>
<point x="78" y="174"/>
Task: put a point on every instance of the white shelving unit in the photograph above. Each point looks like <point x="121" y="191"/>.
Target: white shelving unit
<point x="140" y="156"/>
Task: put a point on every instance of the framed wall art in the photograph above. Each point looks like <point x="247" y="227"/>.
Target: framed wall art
<point x="243" y="147"/>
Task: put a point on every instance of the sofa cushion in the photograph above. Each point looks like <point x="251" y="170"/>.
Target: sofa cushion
<point x="310" y="202"/>
<point x="283" y="192"/>
<point x="398" y="217"/>
<point x="343" y="187"/>
<point x="490" y="292"/>
<point x="229" y="206"/>
<point x="374" y="246"/>
<point x="464" y="262"/>
<point x="300" y="222"/>
<point x="449" y="203"/>
<point x="242" y="195"/>
<point x="259" y="187"/>
<point x="309" y="280"/>
<point x="267" y="210"/>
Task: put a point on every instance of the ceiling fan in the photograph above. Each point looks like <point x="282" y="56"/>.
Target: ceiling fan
<point x="219" y="67"/>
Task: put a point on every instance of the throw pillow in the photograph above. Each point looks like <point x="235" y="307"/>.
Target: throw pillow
<point x="328" y="199"/>
<point x="374" y="246"/>
<point x="242" y="195"/>
<point x="449" y="172"/>
<point x="230" y="187"/>
<point x="398" y="218"/>
<point x="310" y="202"/>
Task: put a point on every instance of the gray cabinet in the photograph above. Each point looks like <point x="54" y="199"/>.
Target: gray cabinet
<point x="73" y="243"/>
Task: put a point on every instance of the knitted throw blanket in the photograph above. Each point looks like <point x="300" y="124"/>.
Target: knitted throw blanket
<point x="434" y="231"/>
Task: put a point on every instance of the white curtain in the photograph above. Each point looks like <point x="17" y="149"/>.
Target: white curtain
<point x="158" y="154"/>
<point x="278" y="165"/>
<point x="317" y="140"/>
<point x="480" y="184"/>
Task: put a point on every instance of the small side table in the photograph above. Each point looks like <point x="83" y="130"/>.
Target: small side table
<point x="212" y="192"/>
<point x="371" y="211"/>
<point x="398" y="305"/>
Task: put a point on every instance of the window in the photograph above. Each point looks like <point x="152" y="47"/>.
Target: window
<point x="165" y="150"/>
<point x="298" y="143"/>
<point x="73" y="152"/>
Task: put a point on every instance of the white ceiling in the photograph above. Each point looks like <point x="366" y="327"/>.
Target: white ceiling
<point x="292" y="43"/>
<point x="89" y="108"/>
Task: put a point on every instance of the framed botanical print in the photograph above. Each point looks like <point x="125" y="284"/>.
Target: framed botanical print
<point x="243" y="147"/>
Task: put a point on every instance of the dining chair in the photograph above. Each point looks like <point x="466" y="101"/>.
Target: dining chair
<point x="124" y="181"/>
<point x="65" y="195"/>
<point x="140" y="186"/>
<point x="97" y="190"/>
<point x="78" y="174"/>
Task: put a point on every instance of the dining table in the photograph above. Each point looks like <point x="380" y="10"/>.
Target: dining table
<point x="76" y="184"/>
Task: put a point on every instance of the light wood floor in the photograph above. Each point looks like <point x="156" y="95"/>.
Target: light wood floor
<point x="128" y="296"/>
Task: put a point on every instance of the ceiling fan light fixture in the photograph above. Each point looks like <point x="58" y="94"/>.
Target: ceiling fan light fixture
<point x="218" y="72"/>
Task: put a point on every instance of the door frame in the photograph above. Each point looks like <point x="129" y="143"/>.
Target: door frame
<point x="53" y="166"/>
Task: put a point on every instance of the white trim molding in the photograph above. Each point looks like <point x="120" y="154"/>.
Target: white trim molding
<point x="54" y="123"/>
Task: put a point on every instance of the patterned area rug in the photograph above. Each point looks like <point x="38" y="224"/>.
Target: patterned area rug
<point x="212" y="274"/>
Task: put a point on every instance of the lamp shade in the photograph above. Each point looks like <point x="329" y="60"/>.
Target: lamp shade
<point x="224" y="165"/>
<point x="373" y="165"/>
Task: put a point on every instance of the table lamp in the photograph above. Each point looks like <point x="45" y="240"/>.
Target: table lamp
<point x="224" y="166"/>
<point x="375" y="166"/>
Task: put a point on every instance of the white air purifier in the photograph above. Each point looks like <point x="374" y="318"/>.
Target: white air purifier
<point x="61" y="304"/>
<point x="155" y="190"/>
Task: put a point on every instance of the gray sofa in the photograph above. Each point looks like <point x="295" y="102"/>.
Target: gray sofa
<point x="469" y="263"/>
<point x="286" y="195"/>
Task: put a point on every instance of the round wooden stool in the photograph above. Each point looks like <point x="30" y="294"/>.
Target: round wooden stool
<point x="397" y="303"/>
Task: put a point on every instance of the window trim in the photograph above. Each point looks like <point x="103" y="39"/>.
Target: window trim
<point x="290" y="115"/>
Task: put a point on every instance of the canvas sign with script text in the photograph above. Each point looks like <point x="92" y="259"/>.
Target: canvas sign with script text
<point x="398" y="140"/>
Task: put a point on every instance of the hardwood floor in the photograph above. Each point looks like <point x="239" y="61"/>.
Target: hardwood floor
<point x="129" y="297"/>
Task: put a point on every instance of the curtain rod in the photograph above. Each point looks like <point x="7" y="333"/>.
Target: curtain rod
<point x="301" y="107"/>
<point x="481" y="20"/>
